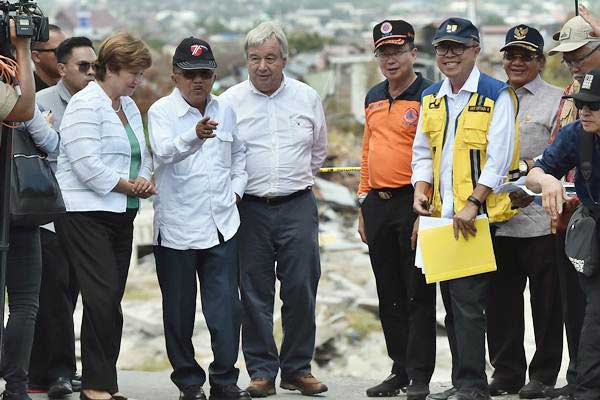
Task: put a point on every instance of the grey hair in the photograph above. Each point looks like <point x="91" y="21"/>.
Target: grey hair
<point x="264" y="32"/>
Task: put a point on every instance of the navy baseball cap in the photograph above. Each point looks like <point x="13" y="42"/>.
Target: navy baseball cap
<point x="526" y="37"/>
<point x="456" y="30"/>
<point x="395" y="32"/>
<point x="193" y="53"/>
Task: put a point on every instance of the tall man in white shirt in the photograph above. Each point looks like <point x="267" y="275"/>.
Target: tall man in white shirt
<point x="200" y="176"/>
<point x="282" y="124"/>
<point x="464" y="147"/>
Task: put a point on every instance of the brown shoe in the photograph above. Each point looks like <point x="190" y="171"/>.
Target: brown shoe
<point x="261" y="387"/>
<point x="307" y="384"/>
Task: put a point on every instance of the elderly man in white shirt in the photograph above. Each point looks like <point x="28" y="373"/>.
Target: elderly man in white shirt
<point x="282" y="123"/>
<point x="200" y="176"/>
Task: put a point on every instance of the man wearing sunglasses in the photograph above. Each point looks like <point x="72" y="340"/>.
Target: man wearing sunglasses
<point x="524" y="245"/>
<point x="52" y="365"/>
<point x="560" y="157"/>
<point x="200" y="176"/>
<point x="406" y="302"/>
<point x="44" y="59"/>
<point x="465" y="146"/>
<point x="579" y="46"/>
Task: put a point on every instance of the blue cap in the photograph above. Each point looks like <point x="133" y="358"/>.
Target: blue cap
<point x="456" y="30"/>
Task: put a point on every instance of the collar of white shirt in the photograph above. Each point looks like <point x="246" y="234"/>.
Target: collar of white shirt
<point x="182" y="107"/>
<point x="275" y="93"/>
<point x="469" y="86"/>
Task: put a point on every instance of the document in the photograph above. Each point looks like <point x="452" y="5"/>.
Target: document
<point x="444" y="258"/>
<point x="519" y="184"/>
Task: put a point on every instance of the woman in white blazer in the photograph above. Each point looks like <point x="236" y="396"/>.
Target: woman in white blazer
<point x="104" y="168"/>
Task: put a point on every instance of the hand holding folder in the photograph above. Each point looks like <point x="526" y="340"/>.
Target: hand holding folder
<point x="442" y="257"/>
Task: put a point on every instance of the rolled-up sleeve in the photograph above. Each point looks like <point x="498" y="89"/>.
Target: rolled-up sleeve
<point x="501" y="143"/>
<point x="319" y="147"/>
<point x="8" y="99"/>
<point x="81" y="130"/>
<point x="44" y="137"/>
<point x="422" y="163"/>
<point x="169" y="146"/>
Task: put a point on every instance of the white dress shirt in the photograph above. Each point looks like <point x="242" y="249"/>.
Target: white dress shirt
<point x="500" y="147"/>
<point x="285" y="136"/>
<point x="197" y="180"/>
<point x="95" y="151"/>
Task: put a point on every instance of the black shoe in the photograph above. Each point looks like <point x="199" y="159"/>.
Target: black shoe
<point x="470" y="395"/>
<point x="6" y="395"/>
<point x="417" y="391"/>
<point x="193" y="393"/>
<point x="445" y="395"/>
<point x="498" y="388"/>
<point x="227" y="392"/>
<point x="76" y="382"/>
<point x="391" y="386"/>
<point x="567" y="390"/>
<point x="533" y="390"/>
<point x="60" y="388"/>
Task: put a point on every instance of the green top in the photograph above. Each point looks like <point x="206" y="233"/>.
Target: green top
<point x="136" y="161"/>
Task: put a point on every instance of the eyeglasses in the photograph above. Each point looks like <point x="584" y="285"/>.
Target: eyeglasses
<point x="523" y="57"/>
<point x="46" y="50"/>
<point x="390" y="54"/>
<point x="595" y="106"/>
<point x="578" y="62"/>
<point x="85" y="66"/>
<point x="270" y="59"/>
<point x="191" y="74"/>
<point x="457" y="50"/>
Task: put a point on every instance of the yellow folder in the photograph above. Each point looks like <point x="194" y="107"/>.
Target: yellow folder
<point x="445" y="258"/>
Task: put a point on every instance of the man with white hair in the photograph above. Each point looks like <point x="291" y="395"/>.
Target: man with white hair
<point x="282" y="123"/>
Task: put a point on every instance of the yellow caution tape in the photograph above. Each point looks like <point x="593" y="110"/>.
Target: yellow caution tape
<point x="339" y="169"/>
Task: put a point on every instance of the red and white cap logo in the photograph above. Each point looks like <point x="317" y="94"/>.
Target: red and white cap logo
<point x="197" y="50"/>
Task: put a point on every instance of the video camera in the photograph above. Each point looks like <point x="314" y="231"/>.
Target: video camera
<point x="29" y="22"/>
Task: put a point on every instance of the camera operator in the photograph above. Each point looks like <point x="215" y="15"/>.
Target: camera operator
<point x="13" y="107"/>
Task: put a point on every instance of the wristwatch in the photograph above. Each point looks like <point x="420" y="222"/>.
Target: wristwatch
<point x="523" y="168"/>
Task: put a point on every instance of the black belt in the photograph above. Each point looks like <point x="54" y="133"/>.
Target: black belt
<point x="389" y="193"/>
<point x="276" y="199"/>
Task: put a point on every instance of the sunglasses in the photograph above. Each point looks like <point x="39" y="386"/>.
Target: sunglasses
<point x="523" y="57"/>
<point x="595" y="106"/>
<point x="85" y="66"/>
<point x="192" y="74"/>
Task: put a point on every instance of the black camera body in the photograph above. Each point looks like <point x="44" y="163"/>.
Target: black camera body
<point x="29" y="22"/>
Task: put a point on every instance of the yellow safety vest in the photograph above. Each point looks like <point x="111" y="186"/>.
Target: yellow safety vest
<point x="470" y="146"/>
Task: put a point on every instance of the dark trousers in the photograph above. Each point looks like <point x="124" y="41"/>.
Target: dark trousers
<point x="588" y="360"/>
<point x="520" y="259"/>
<point x="23" y="274"/>
<point x="285" y="234"/>
<point x="53" y="352"/>
<point x="465" y="302"/>
<point x="98" y="247"/>
<point x="573" y="304"/>
<point x="217" y="272"/>
<point x="406" y="302"/>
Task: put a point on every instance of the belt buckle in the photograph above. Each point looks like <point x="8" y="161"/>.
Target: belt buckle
<point x="385" y="195"/>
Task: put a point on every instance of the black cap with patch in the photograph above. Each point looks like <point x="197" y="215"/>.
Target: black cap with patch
<point x="456" y="30"/>
<point x="193" y="53"/>
<point x="590" y="88"/>
<point x="395" y="32"/>
<point x="525" y="37"/>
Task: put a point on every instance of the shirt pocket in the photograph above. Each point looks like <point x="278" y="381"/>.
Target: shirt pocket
<point x="301" y="130"/>
<point x="433" y="128"/>
<point x="475" y="129"/>
<point x="225" y="142"/>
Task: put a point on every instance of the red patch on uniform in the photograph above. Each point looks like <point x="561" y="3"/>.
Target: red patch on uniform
<point x="411" y="116"/>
